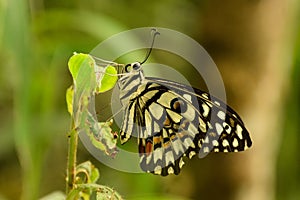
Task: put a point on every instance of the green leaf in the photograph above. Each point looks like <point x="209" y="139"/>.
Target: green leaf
<point x="77" y="61"/>
<point x="69" y="99"/>
<point x="108" y="136"/>
<point x="95" y="175"/>
<point x="108" y="79"/>
<point x="101" y="135"/>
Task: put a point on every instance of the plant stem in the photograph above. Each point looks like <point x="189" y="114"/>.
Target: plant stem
<point x="72" y="154"/>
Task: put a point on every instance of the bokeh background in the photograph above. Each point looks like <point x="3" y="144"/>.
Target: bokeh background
<point x="255" y="44"/>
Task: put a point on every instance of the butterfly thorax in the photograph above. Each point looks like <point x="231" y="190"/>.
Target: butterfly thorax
<point x="130" y="81"/>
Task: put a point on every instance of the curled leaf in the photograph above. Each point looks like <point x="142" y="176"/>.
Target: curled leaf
<point x="86" y="172"/>
<point x="106" y="79"/>
<point x="69" y="99"/>
<point x="77" y="61"/>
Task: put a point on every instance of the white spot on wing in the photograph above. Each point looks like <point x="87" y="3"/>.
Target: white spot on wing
<point x="227" y="128"/>
<point x="192" y="130"/>
<point x="157" y="170"/>
<point x="191" y="154"/>
<point x="148" y="158"/>
<point x="239" y="131"/>
<point x="190" y="113"/>
<point x="219" y="128"/>
<point x="202" y="125"/>
<point x="221" y="115"/>
<point x="181" y="163"/>
<point x="142" y="158"/>
<point x="217" y="103"/>
<point x="157" y="154"/>
<point x="170" y="170"/>
<point x="169" y="157"/>
<point x="187" y="142"/>
<point x="156" y="110"/>
<point x="215" y="143"/>
<point x="156" y="127"/>
<point x="148" y="121"/>
<point x="235" y="142"/>
<point x="205" y="95"/>
<point x="206" y="150"/>
<point x="174" y="116"/>
<point x="188" y="97"/>
<point x="206" y="140"/>
<point x="205" y="110"/>
<point x="225" y="143"/>
<point x="200" y="143"/>
<point x="177" y="146"/>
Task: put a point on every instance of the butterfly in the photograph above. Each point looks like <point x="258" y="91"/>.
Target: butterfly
<point x="173" y="121"/>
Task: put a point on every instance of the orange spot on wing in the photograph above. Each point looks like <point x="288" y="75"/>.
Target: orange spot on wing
<point x="149" y="146"/>
<point x="167" y="122"/>
<point x="156" y="140"/>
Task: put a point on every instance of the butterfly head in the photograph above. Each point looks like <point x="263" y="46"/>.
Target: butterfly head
<point x="133" y="67"/>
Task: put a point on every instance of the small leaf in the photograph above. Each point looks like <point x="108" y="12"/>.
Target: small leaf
<point x="108" y="193"/>
<point x="94" y="175"/>
<point x="101" y="135"/>
<point x="108" y="136"/>
<point x="69" y="99"/>
<point x="76" y="61"/>
<point x="102" y="192"/>
<point x="107" y="79"/>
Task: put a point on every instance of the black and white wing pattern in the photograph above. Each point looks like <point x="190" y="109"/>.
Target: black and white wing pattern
<point x="173" y="120"/>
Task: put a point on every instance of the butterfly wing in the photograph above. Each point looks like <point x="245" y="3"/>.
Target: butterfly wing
<point x="224" y="122"/>
<point x="174" y="120"/>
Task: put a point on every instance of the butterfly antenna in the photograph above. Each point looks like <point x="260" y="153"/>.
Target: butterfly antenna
<point x="155" y="33"/>
<point x="103" y="62"/>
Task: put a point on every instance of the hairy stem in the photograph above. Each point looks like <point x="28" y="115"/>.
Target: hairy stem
<point x="72" y="154"/>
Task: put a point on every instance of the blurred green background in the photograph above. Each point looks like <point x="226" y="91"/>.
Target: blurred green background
<point x="255" y="44"/>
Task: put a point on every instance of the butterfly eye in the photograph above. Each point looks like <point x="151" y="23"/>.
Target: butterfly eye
<point x="136" y="66"/>
<point x="133" y="66"/>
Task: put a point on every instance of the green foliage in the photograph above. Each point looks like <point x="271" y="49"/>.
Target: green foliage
<point x="107" y="79"/>
<point x="82" y="182"/>
<point x="86" y="84"/>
